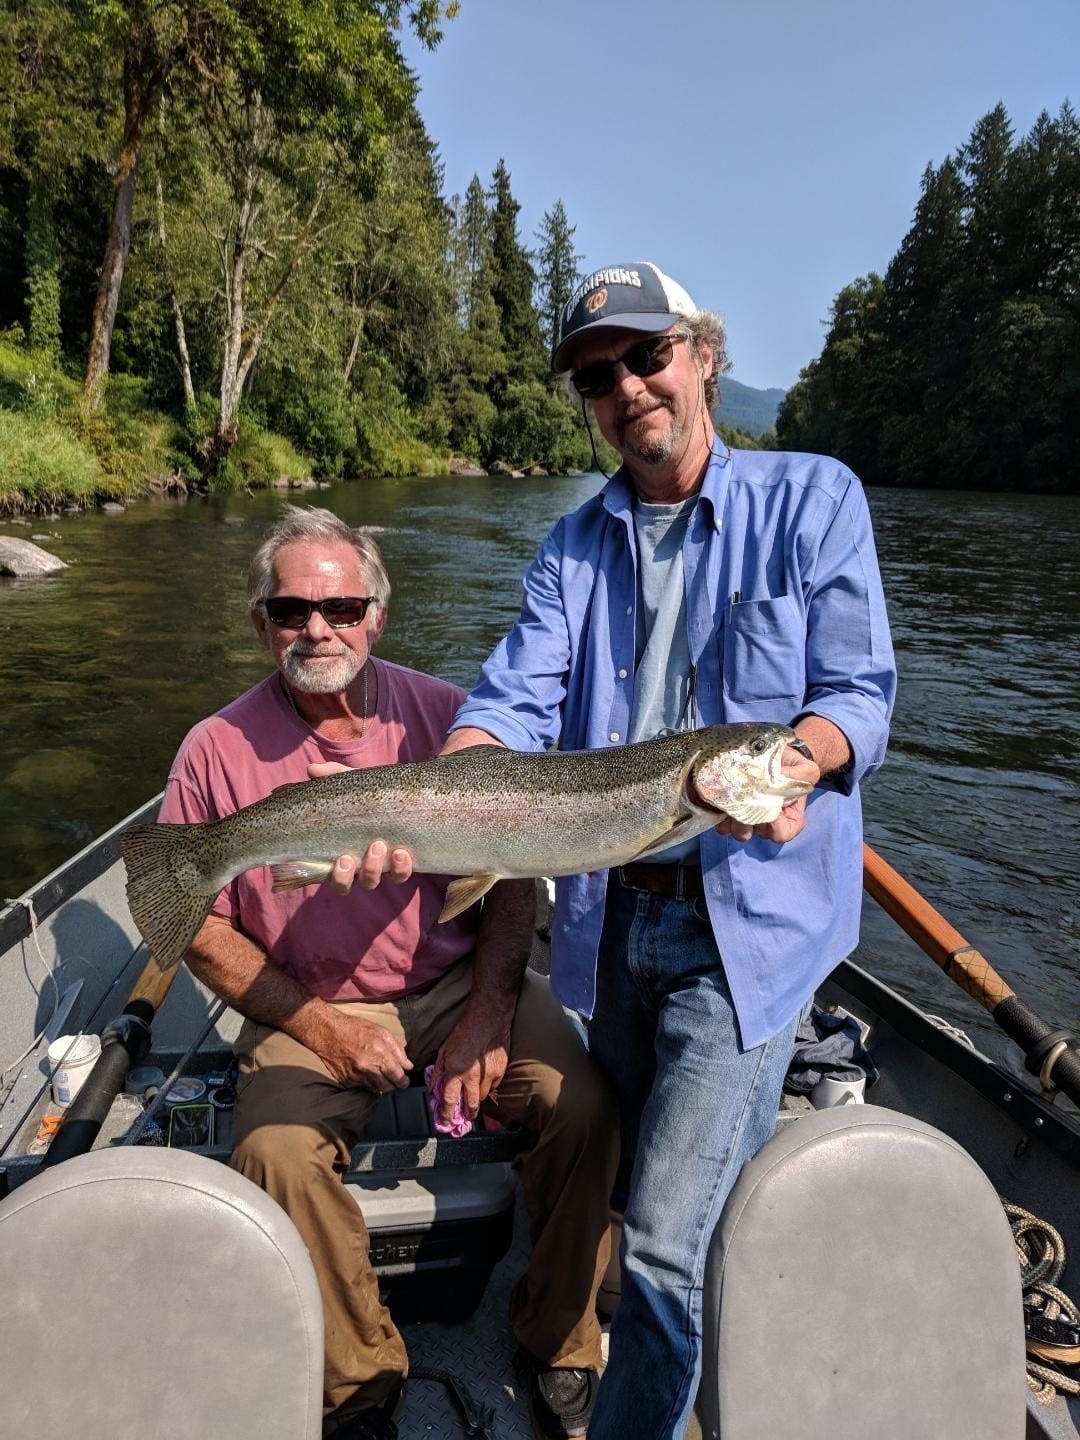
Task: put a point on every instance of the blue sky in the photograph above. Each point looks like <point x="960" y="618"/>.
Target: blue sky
<point x="764" y="152"/>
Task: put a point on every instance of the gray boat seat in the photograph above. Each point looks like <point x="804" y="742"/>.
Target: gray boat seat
<point x="862" y="1281"/>
<point x="155" y="1293"/>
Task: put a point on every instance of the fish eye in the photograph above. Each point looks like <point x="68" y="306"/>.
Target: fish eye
<point x="758" y="745"/>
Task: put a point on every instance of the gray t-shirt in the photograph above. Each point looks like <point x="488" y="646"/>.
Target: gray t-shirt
<point x="662" y="677"/>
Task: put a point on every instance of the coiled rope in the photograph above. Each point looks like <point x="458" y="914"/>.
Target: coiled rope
<point x="1041" y="1252"/>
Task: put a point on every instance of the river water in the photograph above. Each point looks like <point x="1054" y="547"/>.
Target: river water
<point x="105" y="666"/>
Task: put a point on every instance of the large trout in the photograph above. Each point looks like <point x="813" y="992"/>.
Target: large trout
<point x="485" y="814"/>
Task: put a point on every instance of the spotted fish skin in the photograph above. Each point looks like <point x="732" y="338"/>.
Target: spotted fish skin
<point x="486" y="813"/>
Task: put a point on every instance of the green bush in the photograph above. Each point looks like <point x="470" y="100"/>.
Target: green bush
<point x="258" y="458"/>
<point x="386" y="438"/>
<point x="42" y="463"/>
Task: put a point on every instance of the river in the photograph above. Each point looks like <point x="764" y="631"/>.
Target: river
<point x="104" y="666"/>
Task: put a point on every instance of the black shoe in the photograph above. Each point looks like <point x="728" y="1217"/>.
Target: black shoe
<point x="376" y="1422"/>
<point x="561" y="1399"/>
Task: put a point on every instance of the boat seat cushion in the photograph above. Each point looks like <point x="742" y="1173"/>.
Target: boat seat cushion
<point x="153" y="1292"/>
<point x="862" y="1281"/>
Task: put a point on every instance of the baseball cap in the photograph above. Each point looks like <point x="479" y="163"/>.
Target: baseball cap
<point x="637" y="296"/>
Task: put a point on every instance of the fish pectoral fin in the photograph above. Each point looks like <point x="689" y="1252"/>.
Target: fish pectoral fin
<point x="685" y="825"/>
<point x="295" y="874"/>
<point x="460" y="894"/>
<point x="762" y="810"/>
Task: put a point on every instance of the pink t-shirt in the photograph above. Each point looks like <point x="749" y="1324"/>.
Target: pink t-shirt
<point x="371" y="944"/>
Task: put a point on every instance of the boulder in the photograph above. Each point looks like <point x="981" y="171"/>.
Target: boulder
<point x="500" y="467"/>
<point x="113" y="507"/>
<point x="21" y="558"/>
<point x="460" y="466"/>
<point x="535" y="471"/>
<point x="307" y="483"/>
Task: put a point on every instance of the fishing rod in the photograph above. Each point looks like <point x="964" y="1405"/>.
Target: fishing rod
<point x="124" y="1043"/>
<point x="1049" y="1053"/>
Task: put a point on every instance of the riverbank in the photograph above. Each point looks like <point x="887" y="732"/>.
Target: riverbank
<point x="52" y="458"/>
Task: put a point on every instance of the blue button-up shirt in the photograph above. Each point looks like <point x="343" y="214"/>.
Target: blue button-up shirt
<point x="785" y="616"/>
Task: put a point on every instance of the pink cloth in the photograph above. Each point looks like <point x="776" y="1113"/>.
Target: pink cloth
<point x="459" y="1123"/>
<point x="371" y="944"/>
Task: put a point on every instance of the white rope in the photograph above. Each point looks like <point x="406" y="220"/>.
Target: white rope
<point x="951" y="1029"/>
<point x="49" y="976"/>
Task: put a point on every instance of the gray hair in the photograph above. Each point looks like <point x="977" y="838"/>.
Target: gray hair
<point x="704" y="327"/>
<point x="297" y="522"/>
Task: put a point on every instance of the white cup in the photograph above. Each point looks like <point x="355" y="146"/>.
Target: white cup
<point x="829" y="1092"/>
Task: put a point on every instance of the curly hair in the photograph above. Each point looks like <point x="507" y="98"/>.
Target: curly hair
<point x="705" y="327"/>
<point x="299" y="522"/>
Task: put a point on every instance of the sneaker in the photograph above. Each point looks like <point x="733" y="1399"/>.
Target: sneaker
<point x="561" y="1399"/>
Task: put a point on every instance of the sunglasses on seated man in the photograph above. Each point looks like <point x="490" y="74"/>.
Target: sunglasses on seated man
<point x="289" y="612"/>
<point x="647" y="357"/>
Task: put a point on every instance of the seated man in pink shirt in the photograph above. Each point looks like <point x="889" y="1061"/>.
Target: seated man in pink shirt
<point x="347" y="996"/>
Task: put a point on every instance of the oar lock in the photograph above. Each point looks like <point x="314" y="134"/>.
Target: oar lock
<point x="1045" y="1053"/>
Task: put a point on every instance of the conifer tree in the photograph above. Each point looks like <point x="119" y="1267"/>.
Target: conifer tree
<point x="558" y="270"/>
<point x="513" y="281"/>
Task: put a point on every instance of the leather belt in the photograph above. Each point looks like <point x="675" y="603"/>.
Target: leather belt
<point x="677" y="882"/>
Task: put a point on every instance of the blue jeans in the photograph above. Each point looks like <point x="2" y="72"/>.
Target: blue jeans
<point x="694" y="1107"/>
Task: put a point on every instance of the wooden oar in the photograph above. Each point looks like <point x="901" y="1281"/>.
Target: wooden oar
<point x="1051" y="1054"/>
<point x="125" y="1042"/>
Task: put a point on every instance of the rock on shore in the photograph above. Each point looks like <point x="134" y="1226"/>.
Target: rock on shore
<point x="20" y="558"/>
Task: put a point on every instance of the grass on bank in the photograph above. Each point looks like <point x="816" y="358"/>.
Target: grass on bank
<point x="50" y="456"/>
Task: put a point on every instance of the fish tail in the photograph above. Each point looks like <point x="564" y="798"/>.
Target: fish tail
<point x="167" y="893"/>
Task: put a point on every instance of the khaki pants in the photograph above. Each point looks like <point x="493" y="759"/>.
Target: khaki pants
<point x="295" y="1127"/>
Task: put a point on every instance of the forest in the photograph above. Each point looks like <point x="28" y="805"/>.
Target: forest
<point x="960" y="367"/>
<point x="226" y="258"/>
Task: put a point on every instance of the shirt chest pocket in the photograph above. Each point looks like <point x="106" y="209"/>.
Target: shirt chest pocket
<point x="765" y="650"/>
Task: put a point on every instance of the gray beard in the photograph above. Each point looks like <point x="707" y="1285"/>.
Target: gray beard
<point x="322" y="679"/>
<point x="656" y="452"/>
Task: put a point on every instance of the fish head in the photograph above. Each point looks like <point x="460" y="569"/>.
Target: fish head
<point x="737" y="771"/>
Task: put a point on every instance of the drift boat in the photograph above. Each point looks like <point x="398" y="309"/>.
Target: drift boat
<point x="863" y="1278"/>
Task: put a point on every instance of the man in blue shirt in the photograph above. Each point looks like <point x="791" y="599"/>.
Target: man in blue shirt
<point x="701" y="585"/>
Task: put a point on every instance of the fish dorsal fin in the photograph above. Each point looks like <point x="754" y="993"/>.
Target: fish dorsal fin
<point x="684" y="827"/>
<point x="460" y="894"/>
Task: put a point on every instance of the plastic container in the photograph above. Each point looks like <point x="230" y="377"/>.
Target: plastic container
<point x="71" y="1058"/>
<point x="184" y="1091"/>
<point x="142" y="1077"/>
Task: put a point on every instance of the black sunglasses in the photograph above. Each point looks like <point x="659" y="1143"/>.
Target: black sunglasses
<point x="340" y="612"/>
<point x="647" y="357"/>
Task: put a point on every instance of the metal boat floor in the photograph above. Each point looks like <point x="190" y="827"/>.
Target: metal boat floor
<point x="479" y="1353"/>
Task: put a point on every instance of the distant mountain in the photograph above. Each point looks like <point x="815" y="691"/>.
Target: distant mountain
<point x="749" y="410"/>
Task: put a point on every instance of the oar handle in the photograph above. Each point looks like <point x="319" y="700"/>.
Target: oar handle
<point x="1049" y="1053"/>
<point x="932" y="932"/>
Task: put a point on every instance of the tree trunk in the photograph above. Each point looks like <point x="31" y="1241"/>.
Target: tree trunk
<point x="136" y="107"/>
<point x="233" y="372"/>
<point x="354" y="349"/>
<point x="240" y="350"/>
<point x="178" y="314"/>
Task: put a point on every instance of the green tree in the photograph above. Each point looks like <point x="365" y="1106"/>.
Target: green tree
<point x="513" y="282"/>
<point x="962" y="368"/>
<point x="558" y="270"/>
<point x="42" y="276"/>
<point x="322" y="67"/>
